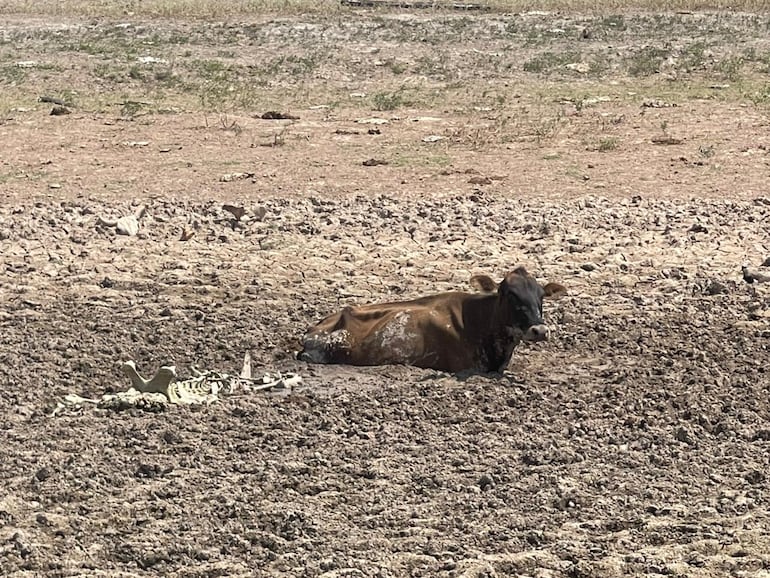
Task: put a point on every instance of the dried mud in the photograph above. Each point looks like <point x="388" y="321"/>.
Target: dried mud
<point x="634" y="441"/>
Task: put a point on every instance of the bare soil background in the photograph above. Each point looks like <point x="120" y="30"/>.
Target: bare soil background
<point x="625" y="156"/>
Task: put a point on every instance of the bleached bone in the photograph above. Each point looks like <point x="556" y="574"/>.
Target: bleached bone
<point x="138" y="214"/>
<point x="159" y="382"/>
<point x="105" y="223"/>
<point x="246" y="370"/>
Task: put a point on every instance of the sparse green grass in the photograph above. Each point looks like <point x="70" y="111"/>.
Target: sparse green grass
<point x="438" y="64"/>
<point x="731" y="67"/>
<point x="614" y="22"/>
<point x="12" y="74"/>
<point x="548" y="62"/>
<point x="450" y="60"/>
<point x="213" y="9"/>
<point x="607" y="144"/>
<point x="384" y="101"/>
<point x="647" y="61"/>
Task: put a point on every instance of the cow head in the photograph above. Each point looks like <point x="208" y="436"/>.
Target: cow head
<point x="521" y="303"/>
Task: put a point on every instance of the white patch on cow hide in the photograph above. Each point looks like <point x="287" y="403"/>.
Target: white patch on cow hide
<point x="318" y="347"/>
<point x="339" y="339"/>
<point x="395" y="338"/>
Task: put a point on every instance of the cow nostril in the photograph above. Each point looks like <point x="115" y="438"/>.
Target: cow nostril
<point x="538" y="332"/>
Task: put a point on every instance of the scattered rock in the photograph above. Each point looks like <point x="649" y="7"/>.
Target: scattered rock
<point x="656" y="103"/>
<point x="666" y="140"/>
<point x="52" y="100"/>
<point x="275" y="115"/>
<point x="486" y="482"/>
<point x="151" y="60"/>
<point x="685" y="435"/>
<point x="756" y="477"/>
<point x="589" y="267"/>
<point x="754" y="276"/>
<point x="235" y="211"/>
<point x="374" y="162"/>
<point x="59" y="111"/>
<point x="580" y="67"/>
<point x="43" y="474"/>
<point x="715" y="287"/>
<point x="373" y="120"/>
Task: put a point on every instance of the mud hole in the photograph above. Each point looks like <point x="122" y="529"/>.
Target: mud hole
<point x="634" y="442"/>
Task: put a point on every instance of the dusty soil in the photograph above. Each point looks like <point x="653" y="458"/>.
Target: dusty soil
<point x="635" y="442"/>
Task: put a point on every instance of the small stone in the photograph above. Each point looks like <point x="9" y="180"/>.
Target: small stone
<point x="685" y="436"/>
<point x="43" y="474"/>
<point x="716" y="288"/>
<point x="580" y="67"/>
<point x="235" y="210"/>
<point x="588" y="267"/>
<point x="486" y="482"/>
<point x="755" y="477"/>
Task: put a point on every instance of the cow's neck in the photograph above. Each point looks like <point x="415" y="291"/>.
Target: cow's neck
<point x="498" y="349"/>
<point x="497" y="344"/>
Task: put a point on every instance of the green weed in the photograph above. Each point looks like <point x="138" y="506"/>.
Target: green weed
<point x="647" y="61"/>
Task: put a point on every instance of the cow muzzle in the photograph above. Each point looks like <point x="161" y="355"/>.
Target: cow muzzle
<point x="537" y="333"/>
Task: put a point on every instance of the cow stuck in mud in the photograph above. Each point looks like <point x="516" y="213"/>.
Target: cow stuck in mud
<point x="450" y="332"/>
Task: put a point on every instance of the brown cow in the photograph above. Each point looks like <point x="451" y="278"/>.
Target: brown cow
<point x="451" y="331"/>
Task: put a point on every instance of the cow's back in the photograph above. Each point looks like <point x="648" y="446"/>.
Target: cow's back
<point x="425" y="332"/>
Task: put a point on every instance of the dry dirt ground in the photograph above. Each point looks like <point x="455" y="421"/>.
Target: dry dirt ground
<point x="635" y="442"/>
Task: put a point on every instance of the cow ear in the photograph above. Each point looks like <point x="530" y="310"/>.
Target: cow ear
<point x="554" y="290"/>
<point x="483" y="283"/>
